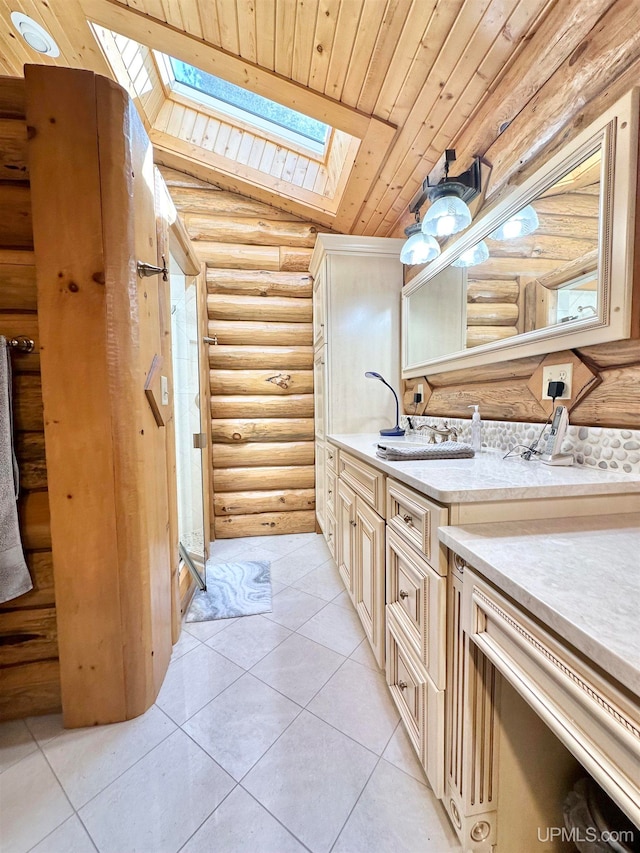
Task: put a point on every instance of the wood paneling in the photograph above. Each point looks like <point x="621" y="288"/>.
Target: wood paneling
<point x="248" y="333"/>
<point x="443" y="74"/>
<point x="247" y="503"/>
<point x="226" y="306"/>
<point x="246" y="406"/>
<point x="272" y="477"/>
<point x="265" y="524"/>
<point x="261" y="378"/>
<point x="263" y="453"/>
<point x="109" y="510"/>
<point x="29" y="671"/>
<point x="251" y="357"/>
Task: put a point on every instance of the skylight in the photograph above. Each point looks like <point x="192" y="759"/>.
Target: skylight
<point x="256" y="109"/>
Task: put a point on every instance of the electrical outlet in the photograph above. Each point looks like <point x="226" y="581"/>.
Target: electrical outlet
<point x="420" y="390"/>
<point x="557" y="373"/>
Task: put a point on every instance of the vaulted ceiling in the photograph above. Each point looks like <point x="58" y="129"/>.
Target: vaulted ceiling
<point x="404" y="79"/>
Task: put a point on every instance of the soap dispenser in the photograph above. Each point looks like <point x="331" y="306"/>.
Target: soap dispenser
<point x="476" y="429"/>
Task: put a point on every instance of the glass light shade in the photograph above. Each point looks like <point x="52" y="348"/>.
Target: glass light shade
<point x="419" y="249"/>
<point x="477" y="254"/>
<point x="523" y="222"/>
<point x="447" y="215"/>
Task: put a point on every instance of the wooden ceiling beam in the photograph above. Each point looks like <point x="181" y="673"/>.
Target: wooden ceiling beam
<point x="175" y="154"/>
<point x="168" y="39"/>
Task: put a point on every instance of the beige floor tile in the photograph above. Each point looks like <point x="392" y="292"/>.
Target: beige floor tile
<point x="16" y="742"/>
<point x="32" y="804"/>
<point x="194" y="680"/>
<point x="402" y="755"/>
<point x="240" y="724"/>
<point x="324" y="582"/>
<point x="71" y="837"/>
<point x="292" y="608"/>
<point x="160" y="802"/>
<point x="336" y="628"/>
<point x="357" y="702"/>
<point x="87" y="760"/>
<point x="186" y="642"/>
<point x="298" y="668"/>
<point x="396" y="813"/>
<point x="241" y="825"/>
<point x="249" y="640"/>
<point x="291" y="567"/>
<point x="343" y="600"/>
<point x="203" y="631"/>
<point x="364" y="655"/>
<point x="45" y="727"/>
<point x="310" y="779"/>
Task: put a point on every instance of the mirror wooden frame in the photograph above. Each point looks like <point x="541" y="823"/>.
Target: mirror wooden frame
<point x="616" y="131"/>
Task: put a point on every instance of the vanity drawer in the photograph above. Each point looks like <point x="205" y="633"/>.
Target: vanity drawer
<point x="417" y="518"/>
<point x="416" y="595"/>
<point x="331" y="486"/>
<point x="365" y="481"/>
<point x="420" y="704"/>
<point x="330" y="532"/>
<point x="332" y="457"/>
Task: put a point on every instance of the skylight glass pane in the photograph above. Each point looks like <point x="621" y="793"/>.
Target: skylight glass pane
<point x="254" y="104"/>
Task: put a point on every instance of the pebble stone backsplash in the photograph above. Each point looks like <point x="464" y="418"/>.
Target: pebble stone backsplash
<point x="598" y="447"/>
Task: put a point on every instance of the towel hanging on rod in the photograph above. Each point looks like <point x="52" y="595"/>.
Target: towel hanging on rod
<point x="15" y="579"/>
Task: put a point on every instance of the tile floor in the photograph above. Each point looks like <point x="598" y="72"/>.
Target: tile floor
<point x="271" y="734"/>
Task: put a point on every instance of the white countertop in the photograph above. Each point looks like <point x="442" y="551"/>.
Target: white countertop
<point x="487" y="476"/>
<point x="579" y="576"/>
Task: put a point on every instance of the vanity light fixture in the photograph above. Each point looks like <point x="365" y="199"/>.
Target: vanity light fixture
<point x="397" y="429"/>
<point x="523" y="222"/>
<point x="477" y="254"/>
<point x="449" y="212"/>
<point x="34" y="35"/>
<point x="419" y="248"/>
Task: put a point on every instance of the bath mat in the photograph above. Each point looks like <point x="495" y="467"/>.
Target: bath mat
<point x="233" y="589"/>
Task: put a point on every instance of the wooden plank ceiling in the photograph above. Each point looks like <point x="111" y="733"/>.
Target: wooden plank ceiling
<point x="407" y="77"/>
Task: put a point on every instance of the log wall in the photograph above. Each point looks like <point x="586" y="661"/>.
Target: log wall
<point x="29" y="666"/>
<point x="259" y="307"/>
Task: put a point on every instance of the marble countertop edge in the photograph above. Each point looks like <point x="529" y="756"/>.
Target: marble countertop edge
<point x="486" y="477"/>
<point x="608" y="648"/>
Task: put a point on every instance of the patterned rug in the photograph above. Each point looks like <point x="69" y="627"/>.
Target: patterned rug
<point x="233" y="589"/>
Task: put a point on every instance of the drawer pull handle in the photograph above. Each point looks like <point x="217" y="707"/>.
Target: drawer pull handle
<point x="352" y="523"/>
<point x="407" y="519"/>
<point x="402" y="685"/>
<point x="404" y="594"/>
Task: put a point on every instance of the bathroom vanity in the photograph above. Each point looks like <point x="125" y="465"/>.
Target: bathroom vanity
<point x="456" y="615"/>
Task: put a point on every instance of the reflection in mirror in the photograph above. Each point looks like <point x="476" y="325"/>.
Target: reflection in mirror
<point x="542" y="264"/>
<point x="560" y="270"/>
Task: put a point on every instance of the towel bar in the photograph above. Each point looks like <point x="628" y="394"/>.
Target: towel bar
<point x="21" y="344"/>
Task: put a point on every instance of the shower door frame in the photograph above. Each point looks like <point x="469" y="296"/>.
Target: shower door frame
<point x="182" y="252"/>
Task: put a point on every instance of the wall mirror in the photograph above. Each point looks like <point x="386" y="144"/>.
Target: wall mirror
<point x="548" y="268"/>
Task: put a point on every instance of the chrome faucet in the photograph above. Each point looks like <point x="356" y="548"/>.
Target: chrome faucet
<point x="445" y="432"/>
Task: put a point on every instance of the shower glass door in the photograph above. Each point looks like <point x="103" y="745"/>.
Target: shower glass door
<point x="186" y="402"/>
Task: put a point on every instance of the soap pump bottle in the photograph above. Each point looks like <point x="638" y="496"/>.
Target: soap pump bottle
<point x="476" y="429"/>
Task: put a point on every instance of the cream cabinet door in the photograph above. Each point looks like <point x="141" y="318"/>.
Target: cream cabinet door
<point x="321" y="497"/>
<point x="345" y="538"/>
<point x="319" y="389"/>
<point x="319" y="308"/>
<point x="369" y="576"/>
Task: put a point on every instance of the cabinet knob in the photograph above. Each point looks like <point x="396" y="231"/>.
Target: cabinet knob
<point x="407" y="519"/>
<point x="404" y="594"/>
<point x="402" y="685"/>
<point x="352" y="523"/>
<point x="329" y="491"/>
